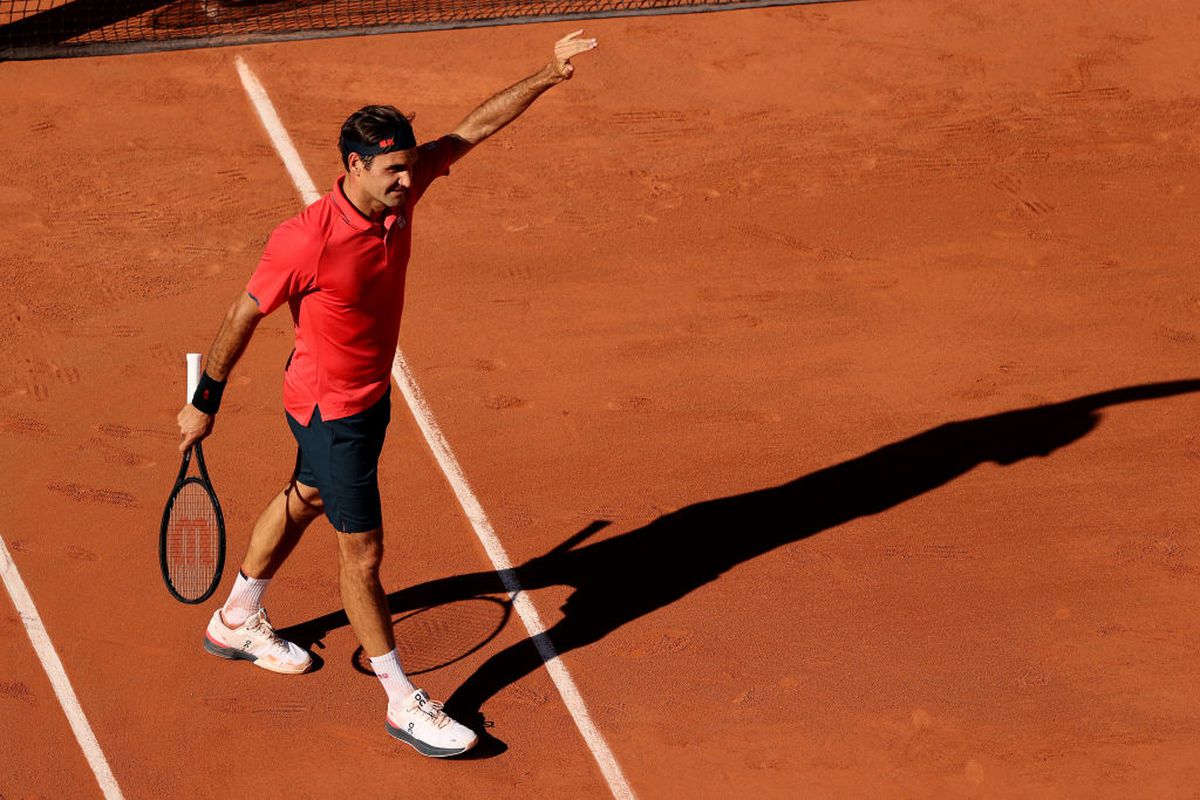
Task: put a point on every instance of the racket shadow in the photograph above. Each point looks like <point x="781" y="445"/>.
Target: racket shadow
<point x="406" y="603"/>
<point x="628" y="576"/>
<point x="403" y="604"/>
<point x="624" y="577"/>
<point x="437" y="636"/>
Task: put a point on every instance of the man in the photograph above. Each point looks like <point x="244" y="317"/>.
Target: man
<point x="340" y="266"/>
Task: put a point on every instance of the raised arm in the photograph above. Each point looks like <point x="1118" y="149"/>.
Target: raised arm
<point x="232" y="337"/>
<point x="503" y="107"/>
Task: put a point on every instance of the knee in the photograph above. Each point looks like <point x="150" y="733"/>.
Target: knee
<point x="361" y="552"/>
<point x="304" y="502"/>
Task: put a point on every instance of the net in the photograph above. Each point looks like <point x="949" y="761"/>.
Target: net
<point x="53" y="28"/>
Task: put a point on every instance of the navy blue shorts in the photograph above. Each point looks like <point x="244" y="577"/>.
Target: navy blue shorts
<point x="341" y="459"/>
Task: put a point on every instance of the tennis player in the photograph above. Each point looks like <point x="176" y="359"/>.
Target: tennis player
<point x="340" y="266"/>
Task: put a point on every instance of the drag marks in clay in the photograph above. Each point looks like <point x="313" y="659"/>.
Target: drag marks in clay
<point x="503" y="402"/>
<point x="115" y="455"/>
<point x="15" y="690"/>
<point x="119" y="431"/>
<point x="21" y="425"/>
<point x="86" y="494"/>
<point x="666" y="643"/>
<point x="41" y="375"/>
<point x="80" y="553"/>
<point x="663" y="126"/>
<point x="1014" y="188"/>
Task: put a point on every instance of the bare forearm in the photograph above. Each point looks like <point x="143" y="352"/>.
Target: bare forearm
<point x="232" y="338"/>
<point x="234" y="334"/>
<point x="503" y="107"/>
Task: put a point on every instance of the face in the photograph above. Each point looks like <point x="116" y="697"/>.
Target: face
<point x="389" y="177"/>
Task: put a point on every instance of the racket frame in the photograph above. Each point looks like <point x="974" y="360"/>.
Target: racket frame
<point x="182" y="480"/>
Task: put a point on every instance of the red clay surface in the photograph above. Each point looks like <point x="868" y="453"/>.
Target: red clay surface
<point x="756" y="258"/>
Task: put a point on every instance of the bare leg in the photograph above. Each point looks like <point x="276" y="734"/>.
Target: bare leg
<point x="359" y="557"/>
<point x="279" y="528"/>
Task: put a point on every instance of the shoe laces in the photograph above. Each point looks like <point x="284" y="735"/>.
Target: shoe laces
<point x="431" y="709"/>
<point x="261" y="624"/>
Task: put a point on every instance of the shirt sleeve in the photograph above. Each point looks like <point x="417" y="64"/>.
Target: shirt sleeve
<point x="288" y="267"/>
<point x="434" y="162"/>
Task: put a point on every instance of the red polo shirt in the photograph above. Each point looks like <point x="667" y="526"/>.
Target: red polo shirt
<point x="342" y="275"/>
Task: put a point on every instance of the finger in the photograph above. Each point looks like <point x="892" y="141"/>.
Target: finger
<point x="579" y="46"/>
<point x="189" y="438"/>
<point x="566" y="55"/>
<point x="571" y="42"/>
<point x="567" y="41"/>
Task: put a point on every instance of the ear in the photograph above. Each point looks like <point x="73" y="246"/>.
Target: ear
<point x="354" y="164"/>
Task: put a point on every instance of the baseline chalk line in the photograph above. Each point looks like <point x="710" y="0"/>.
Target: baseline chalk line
<point x="53" y="666"/>
<point x="471" y="506"/>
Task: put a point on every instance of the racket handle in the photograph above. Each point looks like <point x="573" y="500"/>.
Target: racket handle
<point x="193" y="375"/>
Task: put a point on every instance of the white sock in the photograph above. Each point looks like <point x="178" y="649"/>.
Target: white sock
<point x="245" y="600"/>
<point x="387" y="669"/>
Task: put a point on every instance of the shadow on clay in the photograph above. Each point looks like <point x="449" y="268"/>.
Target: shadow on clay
<point x="627" y="576"/>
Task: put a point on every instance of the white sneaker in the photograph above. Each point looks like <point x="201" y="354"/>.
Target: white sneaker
<point x="255" y="640"/>
<point x="418" y="721"/>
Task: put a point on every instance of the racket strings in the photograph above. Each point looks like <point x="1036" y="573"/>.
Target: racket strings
<point x="193" y="540"/>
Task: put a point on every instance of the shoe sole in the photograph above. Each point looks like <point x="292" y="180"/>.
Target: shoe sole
<point x="234" y="654"/>
<point x="423" y="748"/>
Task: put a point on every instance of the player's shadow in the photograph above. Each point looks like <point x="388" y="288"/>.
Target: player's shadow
<point x="624" y="577"/>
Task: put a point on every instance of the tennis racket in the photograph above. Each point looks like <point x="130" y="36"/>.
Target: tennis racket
<point x="191" y="542"/>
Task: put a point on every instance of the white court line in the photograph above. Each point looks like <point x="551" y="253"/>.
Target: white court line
<point x="58" y="676"/>
<point x="524" y="606"/>
<point x="279" y="135"/>
<point x="454" y="475"/>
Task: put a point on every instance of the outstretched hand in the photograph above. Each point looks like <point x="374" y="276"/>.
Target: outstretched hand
<point x="567" y="48"/>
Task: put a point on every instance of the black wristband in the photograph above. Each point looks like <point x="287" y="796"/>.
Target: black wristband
<point x="208" y="394"/>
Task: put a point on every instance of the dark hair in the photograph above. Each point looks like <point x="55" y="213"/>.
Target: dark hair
<point x="370" y="124"/>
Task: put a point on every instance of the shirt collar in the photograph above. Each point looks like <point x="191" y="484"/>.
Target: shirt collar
<point x="356" y="218"/>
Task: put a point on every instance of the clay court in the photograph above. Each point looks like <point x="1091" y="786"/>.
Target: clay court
<point x="828" y="373"/>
